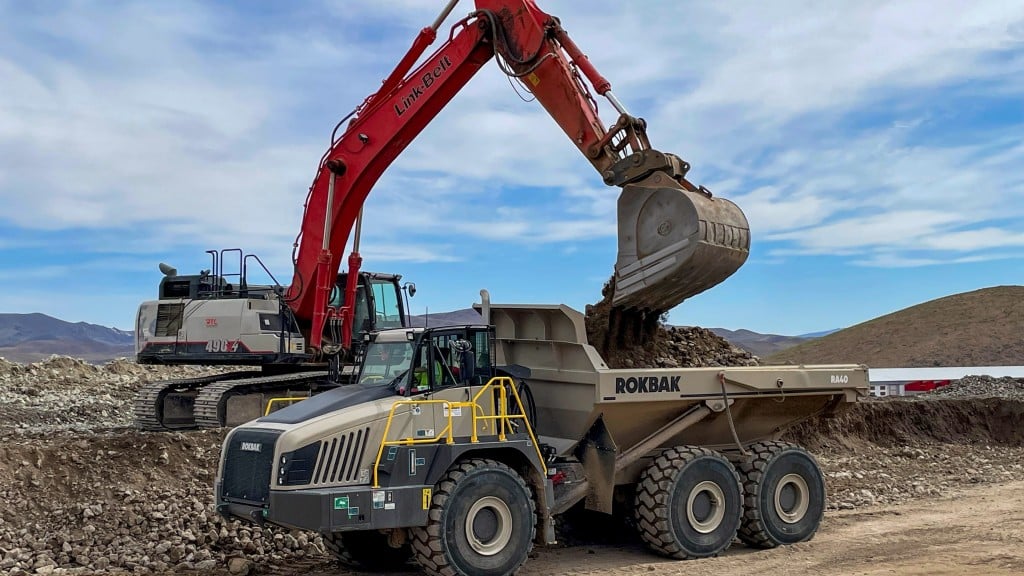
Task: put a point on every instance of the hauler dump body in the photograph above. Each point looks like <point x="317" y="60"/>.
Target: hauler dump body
<point x="458" y="446"/>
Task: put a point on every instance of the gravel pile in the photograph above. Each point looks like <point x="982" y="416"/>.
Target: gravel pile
<point x="681" y="347"/>
<point x="62" y="393"/>
<point x="127" y="501"/>
<point x="891" y="475"/>
<point x="981" y="387"/>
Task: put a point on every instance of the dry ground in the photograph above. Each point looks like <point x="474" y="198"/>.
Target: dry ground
<point x="977" y="531"/>
<point x="922" y="486"/>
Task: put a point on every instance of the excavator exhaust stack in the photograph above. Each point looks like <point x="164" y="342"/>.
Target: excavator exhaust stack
<point x="674" y="243"/>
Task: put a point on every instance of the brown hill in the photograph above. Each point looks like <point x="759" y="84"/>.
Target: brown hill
<point x="980" y="328"/>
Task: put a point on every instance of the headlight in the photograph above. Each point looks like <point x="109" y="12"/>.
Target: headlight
<point x="297" y="467"/>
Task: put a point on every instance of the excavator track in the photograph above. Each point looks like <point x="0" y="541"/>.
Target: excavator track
<point x="149" y="400"/>
<point x="211" y="403"/>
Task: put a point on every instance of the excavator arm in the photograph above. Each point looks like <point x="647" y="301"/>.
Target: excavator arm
<point x="674" y="239"/>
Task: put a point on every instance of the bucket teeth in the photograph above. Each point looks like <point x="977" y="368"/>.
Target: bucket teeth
<point x="674" y="244"/>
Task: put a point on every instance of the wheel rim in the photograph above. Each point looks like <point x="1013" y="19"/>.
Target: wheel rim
<point x="489" y="525"/>
<point x="705" y="507"/>
<point x="791" y="498"/>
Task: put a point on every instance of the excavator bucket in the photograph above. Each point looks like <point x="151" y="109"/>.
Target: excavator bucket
<point x="674" y="243"/>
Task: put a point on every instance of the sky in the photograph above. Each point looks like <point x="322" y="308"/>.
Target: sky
<point x="876" y="148"/>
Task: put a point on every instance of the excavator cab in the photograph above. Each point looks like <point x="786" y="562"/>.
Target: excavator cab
<point x="376" y="292"/>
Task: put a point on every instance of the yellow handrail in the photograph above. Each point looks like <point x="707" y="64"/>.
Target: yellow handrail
<point x="478" y="415"/>
<point x="273" y="401"/>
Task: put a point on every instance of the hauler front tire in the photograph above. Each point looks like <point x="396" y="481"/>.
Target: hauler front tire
<point x="688" y="503"/>
<point x="367" y="550"/>
<point x="482" y="521"/>
<point x="784" y="495"/>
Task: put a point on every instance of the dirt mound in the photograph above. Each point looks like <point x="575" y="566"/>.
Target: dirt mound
<point x="892" y="450"/>
<point x="913" y="422"/>
<point x="979" y="328"/>
<point x="634" y="339"/>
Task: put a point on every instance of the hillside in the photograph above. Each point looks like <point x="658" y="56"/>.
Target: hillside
<point x="759" y="344"/>
<point x="979" y="328"/>
<point x="32" y="337"/>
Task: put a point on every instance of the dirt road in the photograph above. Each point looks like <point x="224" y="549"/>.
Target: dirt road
<point x="979" y="531"/>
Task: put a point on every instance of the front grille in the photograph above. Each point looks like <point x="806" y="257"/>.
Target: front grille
<point x="168" y="319"/>
<point x="340" y="457"/>
<point x="248" y="464"/>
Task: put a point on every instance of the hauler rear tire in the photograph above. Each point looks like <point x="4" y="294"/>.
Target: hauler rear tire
<point x="688" y="503"/>
<point x="367" y="550"/>
<point x="784" y="495"/>
<point x="482" y="521"/>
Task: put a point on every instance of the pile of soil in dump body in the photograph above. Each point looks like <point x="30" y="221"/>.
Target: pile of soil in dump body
<point x="638" y="339"/>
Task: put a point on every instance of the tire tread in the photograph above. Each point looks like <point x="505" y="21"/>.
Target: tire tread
<point x="426" y="540"/>
<point x="652" y="493"/>
<point x="753" y="531"/>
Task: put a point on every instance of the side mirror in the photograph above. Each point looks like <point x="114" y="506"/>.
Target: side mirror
<point x="411" y="288"/>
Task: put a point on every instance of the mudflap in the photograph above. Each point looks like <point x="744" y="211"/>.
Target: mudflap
<point x="674" y="243"/>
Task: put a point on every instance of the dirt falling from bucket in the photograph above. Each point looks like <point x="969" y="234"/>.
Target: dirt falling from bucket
<point x="637" y="339"/>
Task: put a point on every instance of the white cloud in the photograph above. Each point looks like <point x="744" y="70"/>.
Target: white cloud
<point x="406" y="253"/>
<point x="897" y="261"/>
<point x="160" y="122"/>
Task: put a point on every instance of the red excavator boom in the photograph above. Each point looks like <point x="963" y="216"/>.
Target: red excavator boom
<point x="669" y="248"/>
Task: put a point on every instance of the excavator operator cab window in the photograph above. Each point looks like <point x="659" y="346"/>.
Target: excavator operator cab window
<point x="386" y="303"/>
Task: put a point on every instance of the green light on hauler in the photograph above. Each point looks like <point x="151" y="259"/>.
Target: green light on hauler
<point x="341" y="503"/>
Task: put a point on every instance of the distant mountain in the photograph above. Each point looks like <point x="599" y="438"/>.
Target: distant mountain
<point x="819" y="334"/>
<point x="759" y="344"/>
<point x="453" y="318"/>
<point x="31" y="337"/>
<point x="979" y="328"/>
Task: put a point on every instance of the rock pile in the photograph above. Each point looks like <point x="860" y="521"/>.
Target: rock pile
<point x="126" y="501"/>
<point x="891" y="475"/>
<point x="63" y="393"/>
<point x="681" y="347"/>
<point x="981" y="387"/>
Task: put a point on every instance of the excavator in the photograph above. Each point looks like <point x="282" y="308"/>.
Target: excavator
<point x="675" y="238"/>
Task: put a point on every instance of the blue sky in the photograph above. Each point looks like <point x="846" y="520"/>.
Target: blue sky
<point x="876" y="149"/>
